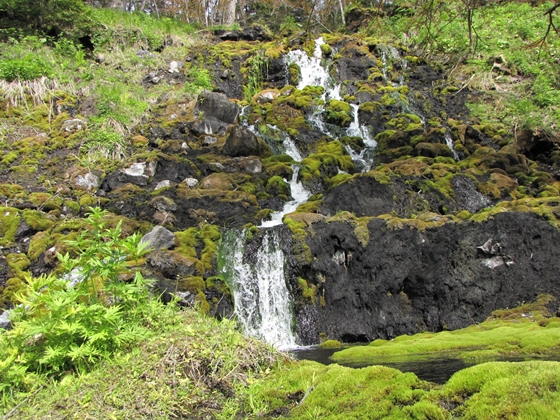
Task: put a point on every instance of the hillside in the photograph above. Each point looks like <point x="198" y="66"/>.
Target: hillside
<point x="394" y="175"/>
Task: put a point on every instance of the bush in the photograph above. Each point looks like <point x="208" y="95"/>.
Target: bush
<point x="29" y="67"/>
<point x="68" y="323"/>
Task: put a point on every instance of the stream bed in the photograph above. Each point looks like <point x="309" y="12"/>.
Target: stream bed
<point x="437" y="370"/>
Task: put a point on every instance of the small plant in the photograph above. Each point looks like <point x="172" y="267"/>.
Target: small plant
<point x="103" y="144"/>
<point x="67" y="323"/>
<point x="198" y="79"/>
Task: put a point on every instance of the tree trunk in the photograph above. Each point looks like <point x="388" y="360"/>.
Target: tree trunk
<point x="229" y="13"/>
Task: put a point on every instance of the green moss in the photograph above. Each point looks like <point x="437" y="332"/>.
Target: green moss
<point x="37" y="220"/>
<point x="276" y="186"/>
<point x="370" y="106"/>
<point x="331" y="344"/>
<point x="307" y="291"/>
<point x="192" y="284"/>
<point x="336" y="392"/>
<point x="218" y="284"/>
<point x="520" y="331"/>
<point x="338" y="113"/>
<point x="45" y="201"/>
<point x="9" y="222"/>
<point x="294" y="73"/>
<point x="39" y="243"/>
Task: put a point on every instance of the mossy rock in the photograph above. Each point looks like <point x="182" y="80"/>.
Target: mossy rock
<point x="339" y="113"/>
<point x="10" y="219"/>
<point x="45" y="201"/>
<point x="294" y="74"/>
<point x="330" y="344"/>
<point x="38" y="220"/>
<point x="276" y="186"/>
<point x="432" y="150"/>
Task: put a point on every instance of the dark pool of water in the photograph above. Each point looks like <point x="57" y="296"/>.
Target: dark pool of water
<point x="433" y="370"/>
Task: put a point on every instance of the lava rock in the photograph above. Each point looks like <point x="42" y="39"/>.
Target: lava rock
<point x="242" y="142"/>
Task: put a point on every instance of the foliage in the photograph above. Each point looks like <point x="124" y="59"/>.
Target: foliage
<point x="193" y="367"/>
<point x="103" y="144"/>
<point x="47" y="16"/>
<point x="100" y="307"/>
<point x="503" y="57"/>
<point x="198" y="79"/>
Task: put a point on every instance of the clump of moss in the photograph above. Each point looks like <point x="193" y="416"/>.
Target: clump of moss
<point x="9" y="222"/>
<point x="331" y="344"/>
<point x="307" y="291"/>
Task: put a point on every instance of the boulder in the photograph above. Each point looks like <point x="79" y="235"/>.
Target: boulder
<point x="172" y="264"/>
<point x="138" y="173"/>
<point x="215" y="114"/>
<point x="160" y="238"/>
<point x="242" y="142"/>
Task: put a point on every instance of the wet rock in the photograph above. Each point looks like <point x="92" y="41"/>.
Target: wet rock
<point x="405" y="281"/>
<point x="242" y="142"/>
<point x="467" y="196"/>
<point x="160" y="238"/>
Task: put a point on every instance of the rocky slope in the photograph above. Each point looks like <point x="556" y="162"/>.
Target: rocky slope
<point x="445" y="220"/>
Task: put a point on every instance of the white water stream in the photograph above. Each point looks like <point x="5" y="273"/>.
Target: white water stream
<point x="262" y="300"/>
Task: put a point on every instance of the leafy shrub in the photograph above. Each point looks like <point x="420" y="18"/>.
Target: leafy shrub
<point x="29" y="67"/>
<point x="68" y="323"/>
<point x="198" y="80"/>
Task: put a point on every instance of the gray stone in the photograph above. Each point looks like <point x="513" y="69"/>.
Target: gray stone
<point x="159" y="238"/>
<point x="242" y="142"/>
<point x="163" y="184"/>
<point x="89" y="181"/>
<point x="251" y="165"/>
<point x="5" y="322"/>
<point x="191" y="182"/>
<point x="144" y="54"/>
<point x="139" y="173"/>
<point x="175" y="66"/>
<point x="73" y="125"/>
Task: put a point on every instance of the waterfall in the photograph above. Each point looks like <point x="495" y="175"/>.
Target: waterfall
<point x="449" y="141"/>
<point x="315" y="73"/>
<point x="299" y="193"/>
<point x="262" y="300"/>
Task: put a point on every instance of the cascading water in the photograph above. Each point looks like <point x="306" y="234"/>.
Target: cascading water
<point x="449" y="141"/>
<point x="262" y="300"/>
<point x="364" y="158"/>
<point x="300" y="194"/>
<point x="315" y="73"/>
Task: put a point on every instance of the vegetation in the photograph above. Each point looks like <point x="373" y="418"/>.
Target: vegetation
<point x="89" y="91"/>
<point x="529" y="329"/>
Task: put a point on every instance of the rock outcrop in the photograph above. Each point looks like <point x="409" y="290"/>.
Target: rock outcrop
<point x="405" y="281"/>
